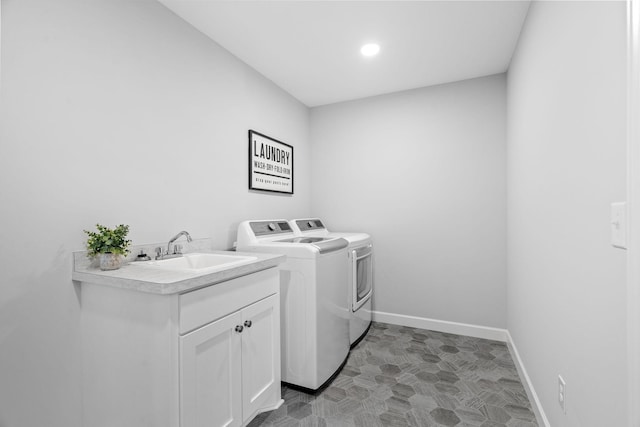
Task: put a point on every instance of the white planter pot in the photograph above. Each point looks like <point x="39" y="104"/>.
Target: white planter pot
<point x="110" y="261"/>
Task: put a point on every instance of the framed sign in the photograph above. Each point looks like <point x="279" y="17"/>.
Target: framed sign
<point x="270" y="164"/>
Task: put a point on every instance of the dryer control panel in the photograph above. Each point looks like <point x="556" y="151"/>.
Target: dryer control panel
<point x="310" y="224"/>
<point x="266" y="228"/>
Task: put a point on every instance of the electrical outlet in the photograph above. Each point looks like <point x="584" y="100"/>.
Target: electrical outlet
<point x="562" y="393"/>
<point x="619" y="225"/>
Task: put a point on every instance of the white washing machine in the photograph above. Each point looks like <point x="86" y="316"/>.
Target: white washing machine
<point x="360" y="272"/>
<point x="313" y="292"/>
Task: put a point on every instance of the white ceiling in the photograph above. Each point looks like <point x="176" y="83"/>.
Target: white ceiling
<point x="311" y="48"/>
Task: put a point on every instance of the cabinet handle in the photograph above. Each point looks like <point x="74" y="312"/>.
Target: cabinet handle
<point x="239" y="328"/>
<point x="248" y="323"/>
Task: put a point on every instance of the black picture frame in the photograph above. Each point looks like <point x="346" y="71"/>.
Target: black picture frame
<point x="270" y="164"/>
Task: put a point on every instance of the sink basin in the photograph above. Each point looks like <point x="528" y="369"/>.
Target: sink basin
<point x="198" y="262"/>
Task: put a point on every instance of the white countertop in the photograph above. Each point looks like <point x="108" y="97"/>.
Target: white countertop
<point x="152" y="280"/>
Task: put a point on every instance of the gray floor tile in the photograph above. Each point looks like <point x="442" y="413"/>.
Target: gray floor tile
<point x="401" y="376"/>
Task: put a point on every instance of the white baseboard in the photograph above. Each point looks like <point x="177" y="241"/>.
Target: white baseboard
<point x="531" y="392"/>
<point x="475" y="331"/>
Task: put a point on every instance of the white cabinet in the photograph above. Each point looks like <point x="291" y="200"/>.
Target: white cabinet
<point x="229" y="369"/>
<point x="260" y="354"/>
<point x="210" y="375"/>
<point x="209" y="357"/>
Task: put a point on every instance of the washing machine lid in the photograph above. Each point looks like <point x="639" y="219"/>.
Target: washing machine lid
<point x="354" y="239"/>
<point x="302" y="240"/>
<point x="323" y="244"/>
<point x="315" y="227"/>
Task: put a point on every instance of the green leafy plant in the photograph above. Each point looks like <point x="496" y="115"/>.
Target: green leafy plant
<point x="107" y="240"/>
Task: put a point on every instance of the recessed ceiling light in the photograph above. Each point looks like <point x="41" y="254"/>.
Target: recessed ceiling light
<point x="370" y="49"/>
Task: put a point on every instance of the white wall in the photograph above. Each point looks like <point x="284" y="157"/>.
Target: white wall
<point x="114" y="111"/>
<point x="423" y="172"/>
<point x="566" y="164"/>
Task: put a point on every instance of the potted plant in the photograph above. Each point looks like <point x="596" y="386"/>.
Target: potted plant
<point x="109" y="245"/>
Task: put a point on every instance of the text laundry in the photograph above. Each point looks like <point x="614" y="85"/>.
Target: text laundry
<point x="272" y="153"/>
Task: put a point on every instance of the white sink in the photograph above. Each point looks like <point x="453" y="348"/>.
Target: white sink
<point x="198" y="262"/>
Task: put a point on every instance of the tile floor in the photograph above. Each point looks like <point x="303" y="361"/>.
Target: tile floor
<point x="401" y="376"/>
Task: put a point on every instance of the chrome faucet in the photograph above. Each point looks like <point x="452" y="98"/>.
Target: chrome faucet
<point x="176" y="248"/>
<point x="176" y="237"/>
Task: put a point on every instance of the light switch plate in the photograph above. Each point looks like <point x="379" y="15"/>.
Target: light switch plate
<point x="562" y="394"/>
<point x="619" y="225"/>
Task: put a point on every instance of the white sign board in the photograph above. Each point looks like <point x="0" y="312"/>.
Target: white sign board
<point x="270" y="164"/>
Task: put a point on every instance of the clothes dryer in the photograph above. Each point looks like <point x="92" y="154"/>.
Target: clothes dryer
<point x="359" y="272"/>
<point x="313" y="291"/>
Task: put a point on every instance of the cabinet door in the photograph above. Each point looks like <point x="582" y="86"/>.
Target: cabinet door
<point x="210" y="375"/>
<point x="261" y="356"/>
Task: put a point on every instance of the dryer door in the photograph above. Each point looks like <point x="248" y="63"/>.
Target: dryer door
<point x="362" y="275"/>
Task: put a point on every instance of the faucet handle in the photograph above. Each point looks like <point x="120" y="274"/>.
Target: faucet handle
<point x="177" y="249"/>
<point x="158" y="252"/>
